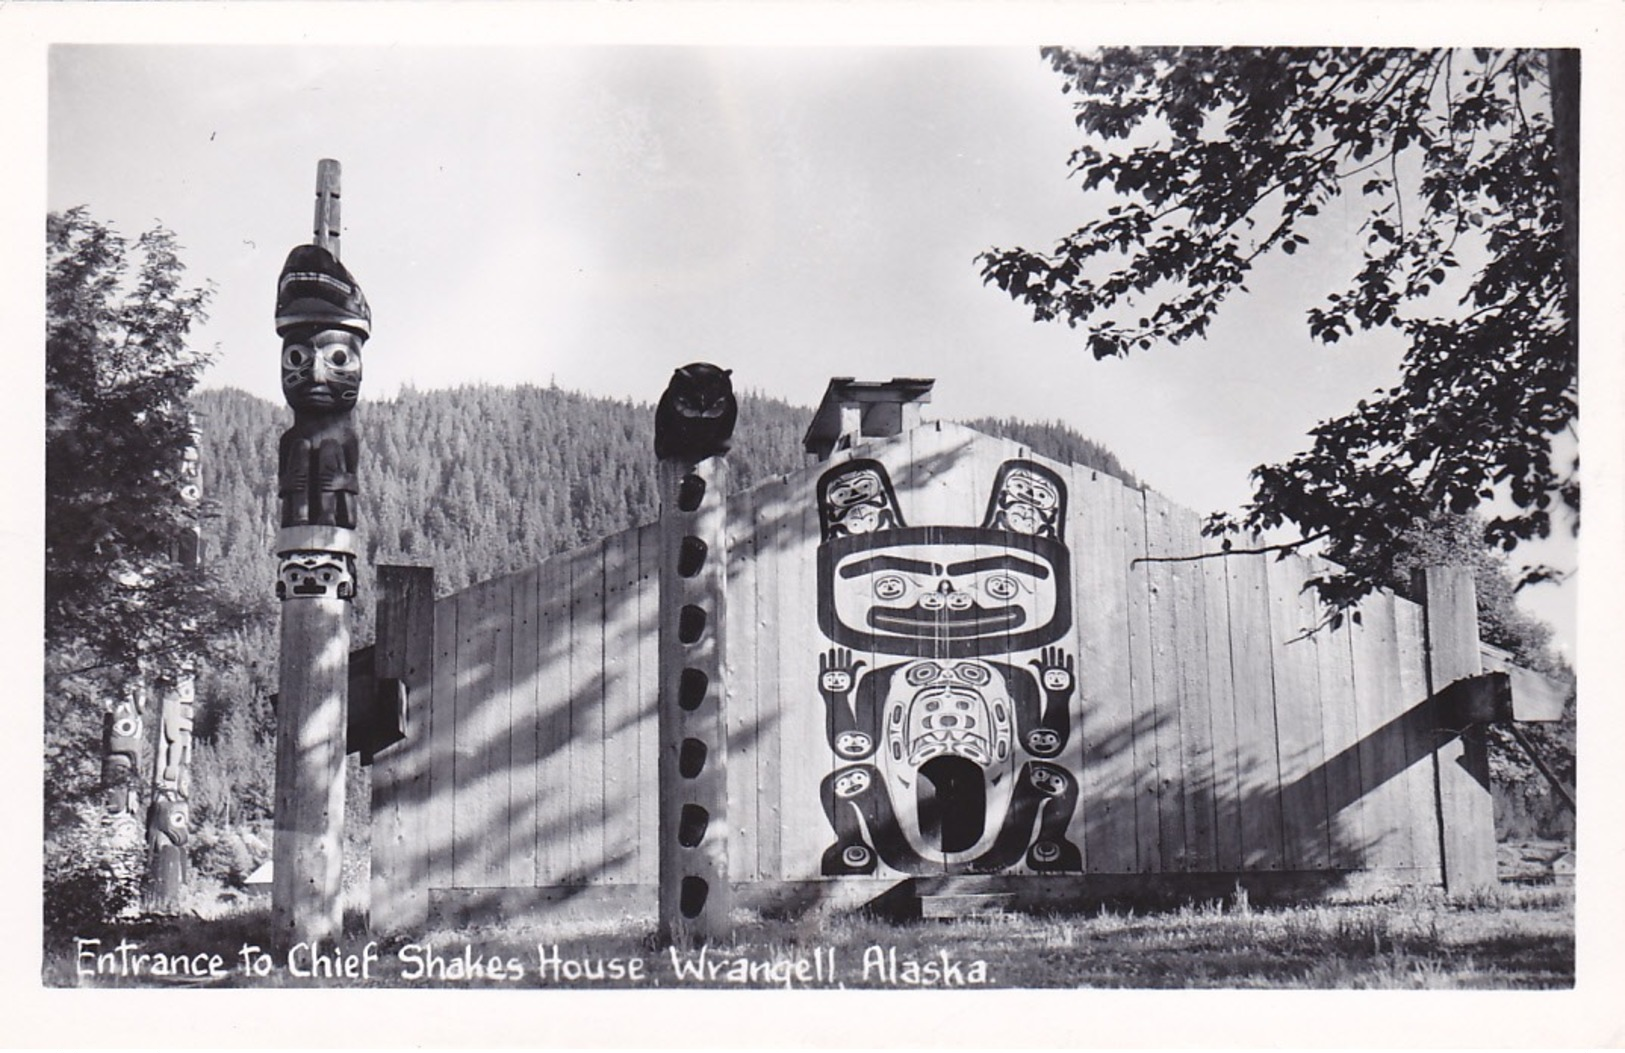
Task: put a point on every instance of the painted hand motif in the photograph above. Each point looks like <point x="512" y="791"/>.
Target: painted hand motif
<point x="1055" y="672"/>
<point x="837" y="673"/>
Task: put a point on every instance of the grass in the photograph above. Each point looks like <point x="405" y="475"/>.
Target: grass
<point x="1517" y="937"/>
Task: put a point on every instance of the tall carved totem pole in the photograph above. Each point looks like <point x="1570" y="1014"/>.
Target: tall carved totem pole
<point x="323" y="320"/>
<point x="169" y="815"/>
<point x="693" y="426"/>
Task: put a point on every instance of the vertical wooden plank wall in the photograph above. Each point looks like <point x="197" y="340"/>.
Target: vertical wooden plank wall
<point x="1211" y="731"/>
<point x="1461" y="758"/>
<point x="1107" y="798"/>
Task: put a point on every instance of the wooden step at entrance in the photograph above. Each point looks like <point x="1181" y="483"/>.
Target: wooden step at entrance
<point x="951" y="905"/>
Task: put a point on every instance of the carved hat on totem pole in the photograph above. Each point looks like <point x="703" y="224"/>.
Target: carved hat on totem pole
<point x="316" y="289"/>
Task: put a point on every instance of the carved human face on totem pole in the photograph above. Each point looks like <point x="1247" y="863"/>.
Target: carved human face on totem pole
<point x="946" y="756"/>
<point x="321" y="369"/>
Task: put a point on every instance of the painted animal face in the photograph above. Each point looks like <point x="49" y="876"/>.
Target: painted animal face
<point x="321" y="370"/>
<point x="956" y="708"/>
<point x="943" y="591"/>
<point x="922" y="590"/>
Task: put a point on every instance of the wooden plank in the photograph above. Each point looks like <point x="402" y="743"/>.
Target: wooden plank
<point x="524" y="745"/>
<point x="553" y="722"/>
<point x="1379" y="716"/>
<point x="1419" y="730"/>
<point x="586" y="714"/>
<point x="1178" y="649"/>
<point x="803" y="754"/>
<point x="440" y="833"/>
<point x="482" y="757"/>
<point x="621" y="763"/>
<point x="1293" y="617"/>
<point x="1107" y="796"/>
<point x="648" y="696"/>
<point x="772" y="697"/>
<point x="1461" y="761"/>
<point x="1252" y="684"/>
<point x="1221" y="703"/>
<point x="1148" y="775"/>
<point x="1340" y="738"/>
<point x="745" y="645"/>
<point x="404" y="650"/>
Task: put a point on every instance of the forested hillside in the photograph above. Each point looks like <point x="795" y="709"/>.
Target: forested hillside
<point x="476" y="481"/>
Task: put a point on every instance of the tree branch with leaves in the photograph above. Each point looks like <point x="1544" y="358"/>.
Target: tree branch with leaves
<point x="1217" y="157"/>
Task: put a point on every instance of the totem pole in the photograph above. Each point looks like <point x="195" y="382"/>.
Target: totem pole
<point x="693" y="425"/>
<point x="169" y="814"/>
<point x="122" y="729"/>
<point x="323" y="320"/>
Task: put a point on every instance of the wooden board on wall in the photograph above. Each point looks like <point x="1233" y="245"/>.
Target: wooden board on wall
<point x="1340" y="739"/>
<point x="1107" y="796"/>
<point x="524" y="729"/>
<point x="1228" y="851"/>
<point x="1258" y="771"/>
<point x="442" y="738"/>
<point x="1179" y="685"/>
<point x="1419" y="723"/>
<point x="623" y="752"/>
<point x="482" y="758"/>
<point x="553" y="730"/>
<point x="745" y="648"/>
<point x="647" y="863"/>
<point x="1293" y="617"/>
<point x="1379" y="714"/>
<point x="1152" y="816"/>
<point x="586" y="713"/>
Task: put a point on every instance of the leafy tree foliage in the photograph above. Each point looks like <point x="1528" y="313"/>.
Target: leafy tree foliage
<point x="118" y="373"/>
<point x="1217" y="157"/>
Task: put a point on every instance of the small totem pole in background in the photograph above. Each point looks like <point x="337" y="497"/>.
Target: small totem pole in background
<point x="122" y="728"/>
<point x="169" y="815"/>
<point x="323" y="320"/>
<point x="693" y="425"/>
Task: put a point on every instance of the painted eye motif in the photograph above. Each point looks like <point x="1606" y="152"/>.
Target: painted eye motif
<point x="1001" y="587"/>
<point x="855" y="855"/>
<point x="1043" y="741"/>
<point x="855" y="489"/>
<point x="126" y="727"/>
<point x="852" y="783"/>
<point x="974" y="675"/>
<point x="1034" y="491"/>
<point x="923" y="673"/>
<point x="338" y="357"/>
<point x="295" y="356"/>
<point x="890" y="587"/>
<point x="852" y="744"/>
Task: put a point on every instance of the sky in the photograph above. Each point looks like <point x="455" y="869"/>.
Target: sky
<point x="596" y="216"/>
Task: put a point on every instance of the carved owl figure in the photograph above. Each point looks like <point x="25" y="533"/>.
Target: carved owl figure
<point x="696" y="415"/>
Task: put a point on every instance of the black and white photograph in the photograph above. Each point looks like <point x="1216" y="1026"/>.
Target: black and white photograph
<point x="791" y="507"/>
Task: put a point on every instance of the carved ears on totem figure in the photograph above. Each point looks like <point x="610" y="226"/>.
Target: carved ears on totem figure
<point x="857" y="498"/>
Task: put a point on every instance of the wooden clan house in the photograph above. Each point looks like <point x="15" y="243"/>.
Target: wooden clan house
<point x="950" y="665"/>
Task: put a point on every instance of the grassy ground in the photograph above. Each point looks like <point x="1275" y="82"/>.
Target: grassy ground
<point x="1518" y="937"/>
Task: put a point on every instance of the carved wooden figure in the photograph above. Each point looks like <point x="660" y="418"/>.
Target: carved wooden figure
<point x="693" y="426"/>
<point x="323" y="320"/>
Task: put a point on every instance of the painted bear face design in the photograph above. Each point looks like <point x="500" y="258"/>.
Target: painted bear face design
<point x="944" y="591"/>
